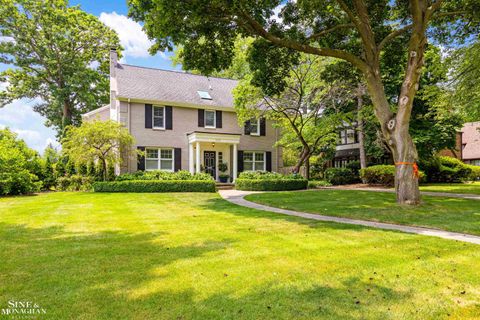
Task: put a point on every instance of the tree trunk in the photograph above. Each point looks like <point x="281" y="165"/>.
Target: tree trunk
<point x="66" y="114"/>
<point x="307" y="167"/>
<point x="361" y="143"/>
<point x="104" y="166"/>
<point x="305" y="153"/>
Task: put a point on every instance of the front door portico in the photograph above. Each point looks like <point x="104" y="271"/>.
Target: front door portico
<point x="205" y="149"/>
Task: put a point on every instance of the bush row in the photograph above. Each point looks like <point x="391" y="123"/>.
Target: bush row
<point x="155" y="186"/>
<point x="270" y="184"/>
<point x="447" y="169"/>
<point x="21" y="182"/>
<point x="266" y="175"/>
<point x="163" y="175"/>
<point x="313" y="184"/>
<point x="338" y="176"/>
<point x="382" y="174"/>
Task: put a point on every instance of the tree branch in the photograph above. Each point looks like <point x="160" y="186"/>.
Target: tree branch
<point x="329" y="30"/>
<point x="256" y="28"/>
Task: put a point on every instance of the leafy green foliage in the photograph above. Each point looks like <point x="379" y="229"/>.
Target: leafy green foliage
<point x="270" y="184"/>
<point x="75" y="182"/>
<point x="266" y="175"/>
<point x="383" y="174"/>
<point x="164" y="175"/>
<point x="19" y="165"/>
<point x="101" y="141"/>
<point x="59" y="55"/>
<point x="155" y="186"/>
<point x="339" y="176"/>
<point x="447" y="169"/>
<point x="314" y="184"/>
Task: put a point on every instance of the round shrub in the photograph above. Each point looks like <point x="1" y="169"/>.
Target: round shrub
<point x="338" y="176"/>
<point x="20" y="182"/>
<point x="382" y="174"/>
<point x="75" y="182"/>
<point x="447" y="169"/>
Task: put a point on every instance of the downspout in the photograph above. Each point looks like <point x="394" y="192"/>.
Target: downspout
<point x="129" y="130"/>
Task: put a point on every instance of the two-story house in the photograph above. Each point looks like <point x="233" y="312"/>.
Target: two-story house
<point x="185" y="121"/>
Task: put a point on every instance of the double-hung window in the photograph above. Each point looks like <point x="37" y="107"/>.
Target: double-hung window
<point x="210" y="119"/>
<point x="255" y="127"/>
<point x="159" y="159"/>
<point x="158" y="117"/>
<point x="253" y="161"/>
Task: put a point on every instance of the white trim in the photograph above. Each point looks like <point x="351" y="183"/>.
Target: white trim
<point x="253" y="160"/>
<point x="214" y="119"/>
<point x="159" y="159"/>
<point x="213" y="137"/>
<point x="178" y="104"/>
<point x="153" y="117"/>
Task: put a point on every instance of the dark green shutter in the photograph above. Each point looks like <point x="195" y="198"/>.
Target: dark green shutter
<point x="178" y="159"/>
<point x="247" y="127"/>
<point x="263" y="126"/>
<point x="201" y="118"/>
<point x="148" y="116"/>
<point x="239" y="161"/>
<point x="218" y="118"/>
<point x="268" y="161"/>
<point x="168" y="118"/>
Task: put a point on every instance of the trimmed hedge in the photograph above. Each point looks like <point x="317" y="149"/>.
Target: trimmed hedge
<point x="164" y="175"/>
<point x="155" y="186"/>
<point x="337" y="176"/>
<point x="270" y="184"/>
<point x="313" y="184"/>
<point x="382" y="174"/>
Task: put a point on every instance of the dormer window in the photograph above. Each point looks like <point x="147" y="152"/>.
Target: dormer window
<point x="204" y="95"/>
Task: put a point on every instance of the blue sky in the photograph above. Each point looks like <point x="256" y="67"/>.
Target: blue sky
<point x="29" y="125"/>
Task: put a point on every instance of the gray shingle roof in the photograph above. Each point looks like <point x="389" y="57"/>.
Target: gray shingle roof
<point x="172" y="86"/>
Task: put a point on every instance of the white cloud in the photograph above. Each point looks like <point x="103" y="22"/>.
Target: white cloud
<point x="132" y="37"/>
<point x="276" y="13"/>
<point x="29" y="125"/>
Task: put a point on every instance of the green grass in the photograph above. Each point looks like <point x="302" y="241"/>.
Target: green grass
<point x="195" y="256"/>
<point x="470" y="188"/>
<point x="452" y="214"/>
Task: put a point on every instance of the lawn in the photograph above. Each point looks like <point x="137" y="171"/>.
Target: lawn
<point x="471" y="188"/>
<point x="452" y="214"/>
<point x="196" y="256"/>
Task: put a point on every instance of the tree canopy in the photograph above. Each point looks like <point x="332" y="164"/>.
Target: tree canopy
<point x="59" y="55"/>
<point x="357" y="31"/>
<point x="102" y="141"/>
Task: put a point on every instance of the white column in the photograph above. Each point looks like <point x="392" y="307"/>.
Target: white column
<point x="197" y="169"/>
<point x="234" y="164"/>
<point x="191" y="167"/>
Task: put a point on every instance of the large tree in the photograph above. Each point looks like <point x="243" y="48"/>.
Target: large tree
<point x="357" y="31"/>
<point x="305" y="110"/>
<point x="101" y="141"/>
<point x="59" y="55"/>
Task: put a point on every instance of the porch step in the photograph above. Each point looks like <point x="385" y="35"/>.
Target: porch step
<point x="225" y="186"/>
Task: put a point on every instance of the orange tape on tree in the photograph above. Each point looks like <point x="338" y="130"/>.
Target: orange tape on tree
<point x="415" y="167"/>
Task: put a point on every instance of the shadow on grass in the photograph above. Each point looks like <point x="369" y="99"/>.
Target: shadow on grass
<point x="94" y="276"/>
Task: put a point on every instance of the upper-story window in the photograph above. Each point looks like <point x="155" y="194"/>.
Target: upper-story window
<point x="158" y="117"/>
<point x="210" y="119"/>
<point x="348" y="136"/>
<point x="255" y="127"/>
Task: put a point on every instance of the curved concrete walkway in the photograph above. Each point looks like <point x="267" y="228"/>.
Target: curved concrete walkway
<point x="237" y="197"/>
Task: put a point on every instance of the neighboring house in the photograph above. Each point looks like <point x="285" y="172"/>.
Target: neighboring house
<point x="348" y="148"/>
<point x="467" y="146"/>
<point x="185" y="122"/>
<point x="470" y="143"/>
